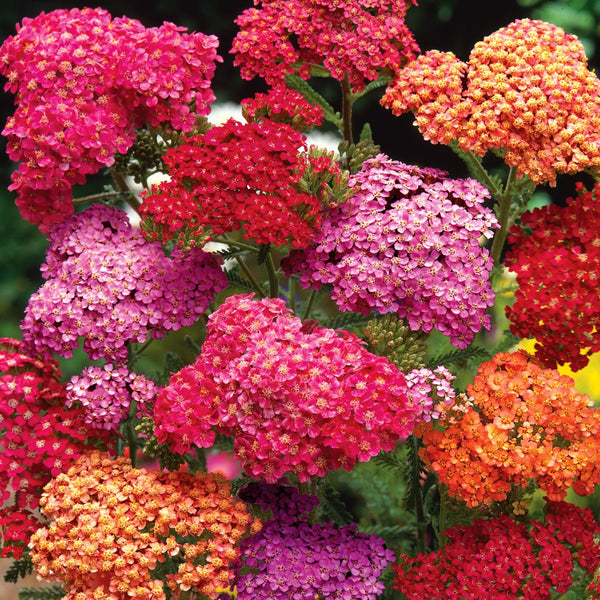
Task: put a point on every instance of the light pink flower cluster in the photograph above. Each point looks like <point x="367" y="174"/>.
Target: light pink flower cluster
<point x="526" y="89"/>
<point x="84" y="82"/>
<point x="107" y="284"/>
<point x="295" y="399"/>
<point x="429" y="388"/>
<point x="406" y="241"/>
<point x="107" y="393"/>
<point x="357" y="40"/>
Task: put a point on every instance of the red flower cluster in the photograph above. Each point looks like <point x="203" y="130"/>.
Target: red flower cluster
<point x="16" y="527"/>
<point x="556" y="256"/>
<point x="520" y="423"/>
<point x="237" y="174"/>
<point x="526" y="89"/>
<point x="83" y="83"/>
<point x="40" y="438"/>
<point x="350" y="39"/>
<point x="295" y="400"/>
<point x="284" y="106"/>
<point x="502" y="559"/>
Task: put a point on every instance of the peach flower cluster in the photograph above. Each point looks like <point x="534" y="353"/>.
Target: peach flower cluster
<point x="120" y="533"/>
<point x="526" y="90"/>
<point x="519" y="423"/>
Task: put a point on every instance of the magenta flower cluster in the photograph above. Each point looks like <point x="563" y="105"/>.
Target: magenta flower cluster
<point x="83" y="83"/>
<point x="407" y="241"/>
<point x="295" y="399"/>
<point x="292" y="558"/>
<point x="106" y="395"/>
<point x="108" y="285"/>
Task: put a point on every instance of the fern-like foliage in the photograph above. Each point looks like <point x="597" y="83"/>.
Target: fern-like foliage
<point x="300" y="85"/>
<point x="346" y="321"/>
<point x="236" y="280"/>
<point x="458" y="356"/>
<point x="20" y="568"/>
<point x="39" y="593"/>
<point x="332" y="506"/>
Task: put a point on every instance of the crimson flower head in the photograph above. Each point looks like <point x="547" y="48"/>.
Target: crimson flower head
<point x="556" y="256"/>
<point x="84" y="83"/>
<point x="357" y="40"/>
<point x="526" y="89"/>
<point x="238" y="175"/>
<point x="295" y="401"/>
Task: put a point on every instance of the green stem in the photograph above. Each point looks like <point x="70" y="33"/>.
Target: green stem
<point x="419" y="506"/>
<point x="250" y="276"/>
<point x="94" y="197"/>
<point x="309" y="304"/>
<point x="501" y="234"/>
<point x="236" y="244"/>
<point x="347" y="100"/>
<point x="273" y="283"/>
<point x="123" y="188"/>
<point x="485" y="178"/>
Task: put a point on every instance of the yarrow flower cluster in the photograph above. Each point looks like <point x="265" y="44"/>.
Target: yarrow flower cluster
<point x="108" y="393"/>
<point x="500" y="558"/>
<point x="292" y="558"/>
<point x="120" y="533"/>
<point x="84" y="83"/>
<point x="520" y="423"/>
<point x="108" y="285"/>
<point x="351" y="40"/>
<point x="430" y="388"/>
<point x="526" y="89"/>
<point x="16" y="527"/>
<point x="406" y="241"/>
<point x="40" y="437"/>
<point x="556" y="256"/>
<point x="283" y="105"/>
<point x="237" y="175"/>
<point x="298" y="400"/>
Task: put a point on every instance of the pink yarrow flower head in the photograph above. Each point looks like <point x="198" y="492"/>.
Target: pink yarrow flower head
<point x="40" y="437"/>
<point x="294" y="400"/>
<point x="107" y="393"/>
<point x="526" y="89"/>
<point x="407" y="241"/>
<point x="354" y="40"/>
<point x="555" y="254"/>
<point x="107" y="284"/>
<point x="237" y="175"/>
<point x="84" y="83"/>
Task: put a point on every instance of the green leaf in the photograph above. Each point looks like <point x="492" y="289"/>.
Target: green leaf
<point x="455" y="356"/>
<point x="332" y="506"/>
<point x="46" y="593"/>
<point x="373" y="85"/>
<point x="20" y="568"/>
<point x="300" y="85"/>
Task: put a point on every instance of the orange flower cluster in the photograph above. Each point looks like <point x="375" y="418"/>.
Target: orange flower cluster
<point x="526" y="89"/>
<point x="118" y="533"/>
<point x="520" y="422"/>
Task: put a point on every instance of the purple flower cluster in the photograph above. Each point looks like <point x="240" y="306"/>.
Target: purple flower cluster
<point x="107" y="284"/>
<point x="106" y="394"/>
<point x="291" y="558"/>
<point x="407" y="241"/>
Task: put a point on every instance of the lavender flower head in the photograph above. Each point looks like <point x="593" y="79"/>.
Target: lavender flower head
<point x="407" y="242"/>
<point x="291" y="558"/>
<point x="108" y="285"/>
